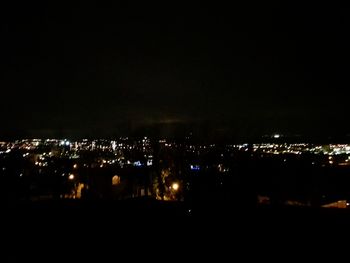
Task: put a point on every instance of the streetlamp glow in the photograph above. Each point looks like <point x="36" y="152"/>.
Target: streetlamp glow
<point x="175" y="186"/>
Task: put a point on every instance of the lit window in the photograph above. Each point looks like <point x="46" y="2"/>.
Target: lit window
<point x="115" y="180"/>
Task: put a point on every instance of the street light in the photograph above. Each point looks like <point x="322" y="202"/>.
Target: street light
<point x="175" y="186"/>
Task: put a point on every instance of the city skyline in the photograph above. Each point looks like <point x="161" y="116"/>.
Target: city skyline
<point x="168" y="170"/>
<point x="164" y="128"/>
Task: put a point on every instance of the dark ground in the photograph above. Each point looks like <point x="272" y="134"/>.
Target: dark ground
<point x="150" y="230"/>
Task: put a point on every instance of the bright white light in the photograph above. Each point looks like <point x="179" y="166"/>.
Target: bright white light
<point x="114" y="145"/>
<point x="71" y="177"/>
<point x="195" y="167"/>
<point x="137" y="163"/>
<point x="276" y="136"/>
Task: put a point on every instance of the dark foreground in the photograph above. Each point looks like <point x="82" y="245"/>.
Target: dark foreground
<point x="81" y="231"/>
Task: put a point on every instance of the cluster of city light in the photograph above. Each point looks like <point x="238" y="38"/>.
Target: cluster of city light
<point x="71" y="149"/>
<point x="119" y="151"/>
<point x="123" y="143"/>
<point x="336" y="149"/>
<point x="295" y="148"/>
<point x="272" y="148"/>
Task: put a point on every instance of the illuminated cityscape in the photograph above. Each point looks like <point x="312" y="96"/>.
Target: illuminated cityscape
<point x="150" y="126"/>
<point x="174" y="170"/>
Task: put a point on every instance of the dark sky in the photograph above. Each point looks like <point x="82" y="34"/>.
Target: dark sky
<point x="99" y="68"/>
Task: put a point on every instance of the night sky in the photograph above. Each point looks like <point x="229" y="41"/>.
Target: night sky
<point x="99" y="69"/>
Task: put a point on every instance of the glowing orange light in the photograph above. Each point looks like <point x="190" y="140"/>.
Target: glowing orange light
<point x="175" y="186"/>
